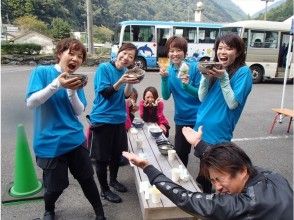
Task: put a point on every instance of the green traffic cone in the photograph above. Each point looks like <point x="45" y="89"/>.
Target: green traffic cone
<point x="25" y="178"/>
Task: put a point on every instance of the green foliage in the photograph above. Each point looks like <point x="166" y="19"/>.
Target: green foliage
<point x="31" y="23"/>
<point x="102" y="34"/>
<point x="109" y="13"/>
<point x="279" y="13"/>
<point x="27" y="49"/>
<point x="60" y="29"/>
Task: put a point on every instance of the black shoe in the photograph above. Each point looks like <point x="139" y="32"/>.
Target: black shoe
<point x="100" y="218"/>
<point x="111" y="196"/>
<point x="49" y="215"/>
<point x="118" y="186"/>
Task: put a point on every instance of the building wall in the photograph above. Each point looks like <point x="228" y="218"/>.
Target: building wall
<point x="45" y="42"/>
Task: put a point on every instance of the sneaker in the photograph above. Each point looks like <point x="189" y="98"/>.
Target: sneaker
<point x="111" y="196"/>
<point x="49" y="215"/>
<point x="100" y="217"/>
<point x="118" y="186"/>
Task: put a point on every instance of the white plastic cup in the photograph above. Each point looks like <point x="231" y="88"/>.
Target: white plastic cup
<point x="155" y="194"/>
<point x="171" y="154"/>
<point x="139" y="143"/>
<point x="175" y="174"/>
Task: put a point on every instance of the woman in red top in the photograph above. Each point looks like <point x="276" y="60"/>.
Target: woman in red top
<point x="151" y="109"/>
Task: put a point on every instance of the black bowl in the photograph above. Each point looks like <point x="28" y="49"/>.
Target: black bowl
<point x="136" y="72"/>
<point x="164" y="148"/>
<point x="208" y="65"/>
<point x="138" y="123"/>
<point x="155" y="132"/>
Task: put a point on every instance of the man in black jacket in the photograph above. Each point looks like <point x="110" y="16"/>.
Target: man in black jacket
<point x="242" y="190"/>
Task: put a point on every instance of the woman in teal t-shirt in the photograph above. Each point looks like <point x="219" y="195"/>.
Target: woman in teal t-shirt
<point x="223" y="92"/>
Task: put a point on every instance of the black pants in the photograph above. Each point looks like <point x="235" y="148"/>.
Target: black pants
<point x="108" y="142"/>
<point x="182" y="146"/>
<point x="55" y="177"/>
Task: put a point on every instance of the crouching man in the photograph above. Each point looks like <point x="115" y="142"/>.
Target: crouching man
<point x="243" y="191"/>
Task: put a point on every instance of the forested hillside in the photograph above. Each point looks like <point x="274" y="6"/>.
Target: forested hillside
<point x="280" y="13"/>
<point x="58" y="18"/>
<point x="110" y="12"/>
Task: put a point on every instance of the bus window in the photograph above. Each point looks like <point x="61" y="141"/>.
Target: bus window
<point x="271" y="39"/>
<point x="264" y="39"/>
<point x="187" y="32"/>
<point x="226" y="30"/>
<point x="141" y="33"/>
<point x="127" y="33"/>
<point x="245" y="38"/>
<point x="207" y="35"/>
<point x="257" y="39"/>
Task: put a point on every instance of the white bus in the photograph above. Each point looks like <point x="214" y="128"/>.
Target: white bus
<point x="150" y="38"/>
<point x="266" y="47"/>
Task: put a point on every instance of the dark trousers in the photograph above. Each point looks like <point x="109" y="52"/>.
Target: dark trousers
<point x="55" y="177"/>
<point x="90" y="190"/>
<point x="108" y="142"/>
<point x="182" y="146"/>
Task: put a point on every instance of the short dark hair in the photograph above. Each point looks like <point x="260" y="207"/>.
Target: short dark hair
<point x="71" y="44"/>
<point x="178" y="42"/>
<point x="151" y="89"/>
<point x="226" y="157"/>
<point x="128" y="46"/>
<point x="233" y="41"/>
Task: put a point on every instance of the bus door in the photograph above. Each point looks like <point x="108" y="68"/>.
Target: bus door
<point x="163" y="33"/>
<point x="283" y="50"/>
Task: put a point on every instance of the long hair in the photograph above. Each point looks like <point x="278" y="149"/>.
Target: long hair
<point x="226" y="157"/>
<point x="150" y="115"/>
<point x="72" y="44"/>
<point x="151" y="89"/>
<point x="234" y="41"/>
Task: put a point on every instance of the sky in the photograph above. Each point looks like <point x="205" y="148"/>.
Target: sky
<point x="251" y="6"/>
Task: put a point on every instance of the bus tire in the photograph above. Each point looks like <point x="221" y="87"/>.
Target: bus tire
<point x="257" y="73"/>
<point x="141" y="62"/>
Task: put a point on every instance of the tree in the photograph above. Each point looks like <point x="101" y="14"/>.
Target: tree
<point x="60" y="29"/>
<point x="27" y="23"/>
<point x="102" y="34"/>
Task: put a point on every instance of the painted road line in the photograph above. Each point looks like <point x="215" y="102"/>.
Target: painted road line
<point x="262" y="138"/>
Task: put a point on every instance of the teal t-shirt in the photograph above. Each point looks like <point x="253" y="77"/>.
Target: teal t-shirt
<point x="185" y="104"/>
<point x="57" y="129"/>
<point x="214" y="115"/>
<point x="110" y="110"/>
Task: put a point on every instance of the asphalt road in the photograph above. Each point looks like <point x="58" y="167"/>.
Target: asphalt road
<point x="273" y="151"/>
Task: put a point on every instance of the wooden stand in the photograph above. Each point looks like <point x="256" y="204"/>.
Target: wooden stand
<point x="284" y="112"/>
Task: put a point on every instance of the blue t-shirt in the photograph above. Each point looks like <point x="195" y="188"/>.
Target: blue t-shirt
<point x="57" y="129"/>
<point x="185" y="105"/>
<point x="214" y="115"/>
<point x="110" y="110"/>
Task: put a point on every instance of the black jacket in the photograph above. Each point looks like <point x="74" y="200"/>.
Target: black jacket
<point x="266" y="196"/>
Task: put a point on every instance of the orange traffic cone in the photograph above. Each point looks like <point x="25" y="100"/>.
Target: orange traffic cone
<point x="25" y="184"/>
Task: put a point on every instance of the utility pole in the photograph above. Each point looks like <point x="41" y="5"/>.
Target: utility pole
<point x="266" y="1"/>
<point x="90" y="27"/>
